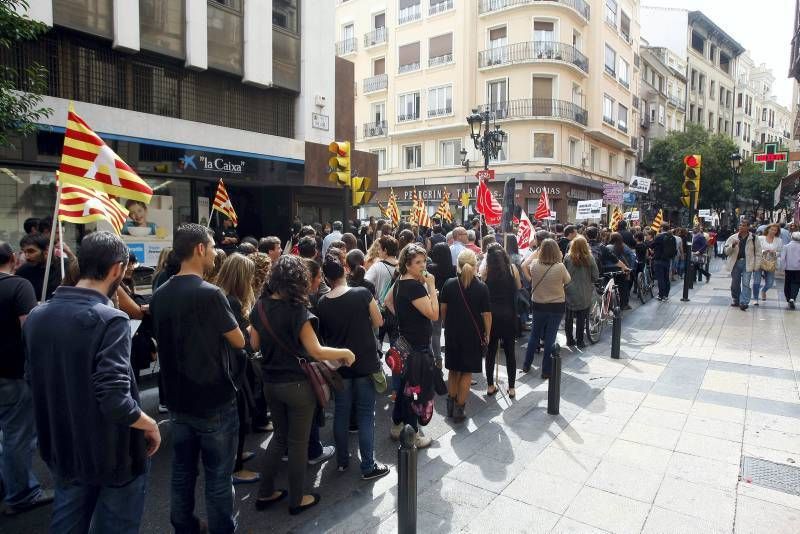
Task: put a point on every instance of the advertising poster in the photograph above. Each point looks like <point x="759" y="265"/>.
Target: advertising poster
<point x="148" y="229"/>
<point x="589" y="209"/>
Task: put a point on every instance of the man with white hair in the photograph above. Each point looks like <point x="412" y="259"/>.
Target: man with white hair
<point x="790" y="260"/>
<point x="459" y="243"/>
<point x="471" y="238"/>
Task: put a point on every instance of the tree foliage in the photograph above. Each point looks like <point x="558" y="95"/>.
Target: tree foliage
<point x="19" y="111"/>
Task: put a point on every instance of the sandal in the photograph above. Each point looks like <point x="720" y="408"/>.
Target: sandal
<point x="262" y="504"/>
<point x="512" y="393"/>
<point x="491" y="390"/>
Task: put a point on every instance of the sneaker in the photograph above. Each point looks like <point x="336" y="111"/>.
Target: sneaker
<point x="44" y="497"/>
<point x="791" y="303"/>
<point x="378" y="471"/>
<point x="755" y="303"/>
<point x="422" y="441"/>
<point x="395" y="431"/>
<point x="162" y="409"/>
<point x="327" y="454"/>
<point x="743" y="307"/>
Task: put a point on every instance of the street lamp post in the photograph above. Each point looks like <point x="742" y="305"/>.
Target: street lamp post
<point x="736" y="169"/>
<point x="489" y="141"/>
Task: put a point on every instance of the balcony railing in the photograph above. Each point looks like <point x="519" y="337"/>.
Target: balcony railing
<point x="440" y="60"/>
<point x="439" y="6"/>
<point x="409" y="14"/>
<point x="533" y="51"/>
<point x="634" y="142"/>
<point x="408" y="67"/>
<point x="538" y="107"/>
<point x="678" y="103"/>
<point x="375" y="37"/>
<point x="487" y="6"/>
<point x="408" y="117"/>
<point x="440" y="112"/>
<point x="346" y="46"/>
<point x="376" y="83"/>
<point x="375" y="129"/>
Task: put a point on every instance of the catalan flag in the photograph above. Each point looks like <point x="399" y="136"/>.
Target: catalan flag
<point x="87" y="161"/>
<point x="222" y="203"/>
<point x="443" y="211"/>
<point x="616" y="218"/>
<point x="656" y="224"/>
<point x="412" y="216"/>
<point x="392" y="210"/>
<point x="82" y="205"/>
<point x="423" y="219"/>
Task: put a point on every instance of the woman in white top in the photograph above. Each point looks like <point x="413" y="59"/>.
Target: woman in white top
<point x="771" y="245"/>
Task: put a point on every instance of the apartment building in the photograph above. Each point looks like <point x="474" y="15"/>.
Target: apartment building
<point x="559" y="77"/>
<point x="662" y="95"/>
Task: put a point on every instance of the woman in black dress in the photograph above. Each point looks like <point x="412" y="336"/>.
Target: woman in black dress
<point x="442" y="268"/>
<point x="503" y="281"/>
<point x="464" y="306"/>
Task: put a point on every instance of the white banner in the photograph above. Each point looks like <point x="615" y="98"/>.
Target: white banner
<point x="704" y="214"/>
<point x="589" y="209"/>
<point x="640" y="184"/>
<point x="632" y="215"/>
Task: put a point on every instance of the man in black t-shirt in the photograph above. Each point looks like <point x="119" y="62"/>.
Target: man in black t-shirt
<point x="17" y="299"/>
<point x="227" y="238"/>
<point x="198" y="337"/>
<point x="35" y="247"/>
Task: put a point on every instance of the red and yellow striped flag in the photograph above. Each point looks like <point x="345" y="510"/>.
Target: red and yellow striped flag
<point x="616" y="218"/>
<point x="443" y="211"/>
<point x="222" y="203"/>
<point x="392" y="209"/>
<point x="82" y="205"/>
<point x="87" y="161"/>
<point x="423" y="219"/>
<point x="656" y="224"/>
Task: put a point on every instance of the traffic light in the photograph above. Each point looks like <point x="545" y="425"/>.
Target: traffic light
<point x="361" y="192"/>
<point x="690" y="190"/>
<point x="339" y="162"/>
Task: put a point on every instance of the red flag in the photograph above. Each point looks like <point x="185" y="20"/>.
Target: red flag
<point x="524" y="232"/>
<point x="543" y="209"/>
<point x="487" y="205"/>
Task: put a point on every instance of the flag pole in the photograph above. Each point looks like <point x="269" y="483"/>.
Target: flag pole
<point x="61" y="245"/>
<point x="52" y="242"/>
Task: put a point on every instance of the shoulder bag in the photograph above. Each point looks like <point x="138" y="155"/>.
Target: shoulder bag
<point x="484" y="346"/>
<point x="319" y="375"/>
<point x="540" y="280"/>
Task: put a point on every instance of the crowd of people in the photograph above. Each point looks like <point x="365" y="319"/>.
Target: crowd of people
<point x="250" y="335"/>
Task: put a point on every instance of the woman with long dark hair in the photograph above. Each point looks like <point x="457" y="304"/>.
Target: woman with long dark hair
<point x="583" y="270"/>
<point x="287" y="333"/>
<point x="442" y="269"/>
<point x="502" y="279"/>
<point x="356" y="273"/>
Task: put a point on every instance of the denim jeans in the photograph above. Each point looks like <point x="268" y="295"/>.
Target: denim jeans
<point x="740" y="282"/>
<point x="18" y="442"/>
<point x="361" y="392"/>
<point x="545" y="327"/>
<point x="99" y="509"/>
<point x="213" y="439"/>
<point x="769" y="281"/>
<point x="436" y="339"/>
<point x="661" y="273"/>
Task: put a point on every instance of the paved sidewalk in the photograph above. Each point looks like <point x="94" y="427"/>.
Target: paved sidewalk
<point x="648" y="443"/>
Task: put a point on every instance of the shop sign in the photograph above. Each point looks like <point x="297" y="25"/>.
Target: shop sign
<point x="554" y="191"/>
<point x="215" y="163"/>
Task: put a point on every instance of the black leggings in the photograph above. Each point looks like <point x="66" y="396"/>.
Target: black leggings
<point x="509" y="346"/>
<point x="579" y="316"/>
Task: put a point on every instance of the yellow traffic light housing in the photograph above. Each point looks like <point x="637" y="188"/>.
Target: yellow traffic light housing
<point x="339" y="162"/>
<point x="690" y="189"/>
<point x="361" y="192"/>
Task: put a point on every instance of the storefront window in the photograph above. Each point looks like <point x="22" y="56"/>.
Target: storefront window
<point x="162" y="26"/>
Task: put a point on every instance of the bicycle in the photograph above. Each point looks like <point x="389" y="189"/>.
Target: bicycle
<point x="605" y="306"/>
<point x="645" y="283"/>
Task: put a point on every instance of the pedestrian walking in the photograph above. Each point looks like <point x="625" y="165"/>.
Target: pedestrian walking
<point x="464" y="309"/>
<point x="664" y="251"/>
<point x="92" y="432"/>
<point x="282" y="329"/>
<point x="503" y="281"/>
<point x="743" y="251"/>
<point x="347" y="316"/>
<point x="548" y="278"/>
<point x="198" y="341"/>
<point x="771" y="246"/>
<point x="584" y="273"/>
<point x="790" y="260"/>
<point x="700" y="253"/>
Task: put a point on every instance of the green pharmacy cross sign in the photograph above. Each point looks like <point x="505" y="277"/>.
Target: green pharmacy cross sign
<point x="771" y="156"/>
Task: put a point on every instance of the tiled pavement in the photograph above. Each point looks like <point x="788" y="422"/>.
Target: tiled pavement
<point x="648" y="443"/>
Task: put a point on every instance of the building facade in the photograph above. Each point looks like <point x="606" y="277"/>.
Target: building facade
<point x="662" y="95"/>
<point x="559" y="77"/>
<point x="188" y="92"/>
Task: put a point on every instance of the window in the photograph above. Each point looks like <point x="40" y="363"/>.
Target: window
<point x="543" y="31"/>
<point x="612" y="164"/>
<point x="694" y="80"/>
<point x="439" y="6"/>
<point x="450" y="153"/>
<point x="225" y="37"/>
<point x="348" y="42"/>
<point x="378" y="21"/>
<point x="719" y="125"/>
<point x="412" y="157"/>
<point x="94" y="18"/>
<point x="284" y="15"/>
<point x="440" y="101"/>
<point x="701" y="85"/>
<point x="661" y="114"/>
<point x="497" y="45"/>
<point x="698" y="43"/>
<point x="408" y="107"/>
<point x="710" y="121"/>
<point x="739" y="100"/>
<point x="381" y="153"/>
<point x="379" y="66"/>
<point x="409" y="10"/>
<point x="611" y="60"/>
<point x="628" y="172"/>
<point x="608" y="109"/>
<point x="711" y="90"/>
<point x="763" y="114"/>
<point x="653" y="110"/>
<point x="409" y="57"/>
<point x="543" y="145"/>
<point x="440" y="50"/>
<point x="623" y="72"/>
<point x="622" y="118"/>
<point x="611" y="12"/>
<point x="496" y="97"/>
<point x="593" y="160"/>
<point x="712" y="53"/>
<point x="378" y="112"/>
<point x="625" y="26"/>
<point x="724" y="62"/>
<point x="573" y="152"/>
<point x="162" y="26"/>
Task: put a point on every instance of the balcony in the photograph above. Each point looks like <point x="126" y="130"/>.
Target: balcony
<point x="440" y="112"/>
<point x="622" y="126"/>
<point x="676" y="102"/>
<point x="533" y="51"/>
<point x="489" y="6"/>
<point x="409" y="14"/>
<point x="375" y="129"/>
<point x="439" y="6"/>
<point x="634" y="142"/>
<point x="440" y="60"/>
<point x="346" y="46"/>
<point x="408" y="67"/>
<point x="375" y="37"/>
<point x="376" y="83"/>
<point x="538" y="108"/>
<point x="408" y="117"/>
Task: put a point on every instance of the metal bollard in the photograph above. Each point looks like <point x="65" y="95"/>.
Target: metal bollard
<point x="554" y="383"/>
<point x="616" y="333"/>
<point x="407" y="482"/>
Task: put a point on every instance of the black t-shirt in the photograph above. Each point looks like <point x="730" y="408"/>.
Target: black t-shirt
<point x="414" y="326"/>
<point x="627" y="238"/>
<point x="16" y="298"/>
<point x="286" y="320"/>
<point x="458" y="318"/>
<point x="563" y="244"/>
<point x="190" y="317"/>
<point x="365" y="284"/>
<point x="34" y="273"/>
<point x="222" y="233"/>
<point x="641" y="252"/>
<point x="344" y="322"/>
<point x="742" y="245"/>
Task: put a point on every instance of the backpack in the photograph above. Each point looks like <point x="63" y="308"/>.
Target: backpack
<point x="669" y="250"/>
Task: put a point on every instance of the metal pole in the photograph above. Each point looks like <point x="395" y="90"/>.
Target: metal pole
<point x="49" y="258"/>
<point x="407" y="482"/>
<point x="688" y="271"/>
<point x="616" y="333"/>
<point x="554" y="383"/>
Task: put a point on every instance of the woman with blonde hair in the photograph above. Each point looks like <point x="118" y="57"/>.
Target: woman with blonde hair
<point x="771" y="246"/>
<point x="262" y="264"/>
<point x="373" y="254"/>
<point x="548" y="278"/>
<point x="464" y="308"/>
<point x="584" y="272"/>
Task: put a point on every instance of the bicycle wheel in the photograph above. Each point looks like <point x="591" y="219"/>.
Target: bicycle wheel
<point x="615" y="307"/>
<point x="650" y="282"/>
<point x="594" y="322"/>
<point x="640" y="287"/>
